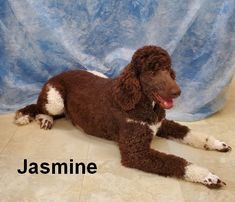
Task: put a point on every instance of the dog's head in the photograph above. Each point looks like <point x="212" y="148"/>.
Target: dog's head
<point x="149" y="73"/>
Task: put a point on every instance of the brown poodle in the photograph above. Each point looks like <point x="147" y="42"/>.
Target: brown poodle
<point x="129" y="109"/>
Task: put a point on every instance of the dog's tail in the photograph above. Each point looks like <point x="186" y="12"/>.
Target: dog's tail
<point x="27" y="114"/>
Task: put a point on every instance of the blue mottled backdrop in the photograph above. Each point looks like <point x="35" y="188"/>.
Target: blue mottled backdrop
<point x="41" y="38"/>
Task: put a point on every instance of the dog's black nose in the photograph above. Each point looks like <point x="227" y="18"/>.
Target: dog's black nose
<point x="175" y="92"/>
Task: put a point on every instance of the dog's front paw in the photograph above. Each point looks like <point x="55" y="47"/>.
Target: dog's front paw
<point x="201" y="175"/>
<point x="214" y="144"/>
<point x="45" y="121"/>
<point x="221" y="146"/>
<point x="213" y="182"/>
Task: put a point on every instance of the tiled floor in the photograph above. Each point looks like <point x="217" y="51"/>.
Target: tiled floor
<point x="112" y="182"/>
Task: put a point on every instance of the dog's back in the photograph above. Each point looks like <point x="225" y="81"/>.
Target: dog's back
<point x="80" y="95"/>
<point x="87" y="102"/>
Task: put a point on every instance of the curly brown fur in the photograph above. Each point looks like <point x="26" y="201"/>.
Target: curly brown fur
<point x="126" y="90"/>
<point x="134" y="144"/>
<point x="171" y="129"/>
<point x="129" y="109"/>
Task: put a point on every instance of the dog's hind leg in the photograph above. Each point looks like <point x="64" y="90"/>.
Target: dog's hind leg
<point x="26" y="115"/>
<point x="175" y="131"/>
<point x="50" y="103"/>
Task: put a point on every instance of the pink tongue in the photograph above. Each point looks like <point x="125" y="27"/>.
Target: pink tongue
<point x="167" y="104"/>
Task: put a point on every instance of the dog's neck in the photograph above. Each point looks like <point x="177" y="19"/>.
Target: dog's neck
<point x="145" y="111"/>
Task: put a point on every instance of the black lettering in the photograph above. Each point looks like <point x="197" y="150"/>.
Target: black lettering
<point x="82" y="165"/>
<point x="44" y="168"/>
<point x="59" y="165"/>
<point x="33" y="168"/>
<point x="57" y="168"/>
<point x="24" y="168"/>
<point x="91" y="166"/>
<point x="71" y="166"/>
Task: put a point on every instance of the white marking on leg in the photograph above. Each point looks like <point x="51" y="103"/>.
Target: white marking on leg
<point x="196" y="140"/>
<point x="195" y="173"/>
<point x="97" y="73"/>
<point x="45" y="121"/>
<point x="22" y="119"/>
<point x="55" y="102"/>
<point x="200" y="140"/>
<point x="153" y="127"/>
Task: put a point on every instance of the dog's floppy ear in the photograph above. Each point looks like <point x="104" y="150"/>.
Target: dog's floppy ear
<point x="127" y="89"/>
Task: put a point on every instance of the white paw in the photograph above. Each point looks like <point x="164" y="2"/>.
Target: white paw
<point x="195" y="173"/>
<point x="217" y="145"/>
<point x="222" y="146"/>
<point x="205" y="141"/>
<point x="213" y="181"/>
<point x="22" y="119"/>
<point x="45" y="121"/>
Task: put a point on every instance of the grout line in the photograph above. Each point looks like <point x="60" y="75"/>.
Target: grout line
<point x="80" y="192"/>
<point x="4" y="147"/>
<point x="83" y="177"/>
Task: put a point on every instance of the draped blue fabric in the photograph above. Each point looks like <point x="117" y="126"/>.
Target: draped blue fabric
<point x="41" y="38"/>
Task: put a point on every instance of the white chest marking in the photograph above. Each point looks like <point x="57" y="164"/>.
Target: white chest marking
<point x="153" y="127"/>
<point x="135" y="121"/>
<point x="153" y="104"/>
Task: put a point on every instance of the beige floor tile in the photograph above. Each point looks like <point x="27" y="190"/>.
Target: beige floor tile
<point x="36" y="187"/>
<point x="7" y="129"/>
<point x="197" y="193"/>
<point x="101" y="149"/>
<point x="113" y="182"/>
<point x="63" y="141"/>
